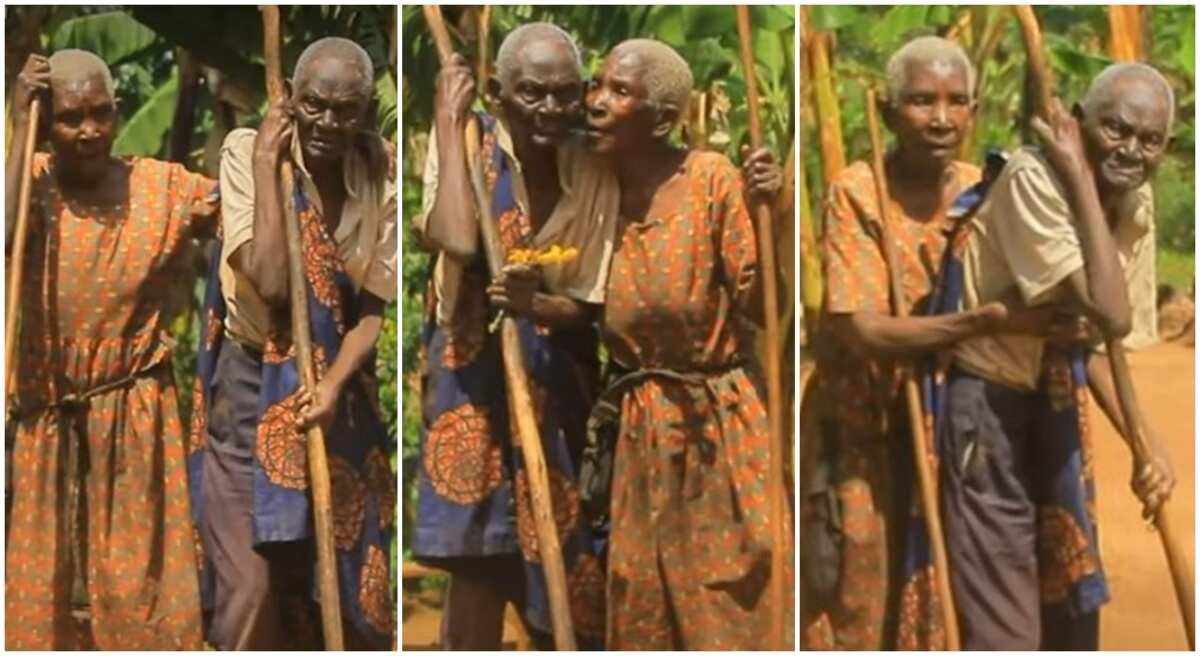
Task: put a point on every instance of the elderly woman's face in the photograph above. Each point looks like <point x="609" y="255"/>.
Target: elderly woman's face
<point x="330" y="107"/>
<point x="1126" y="133"/>
<point x="82" y="123"/>
<point x="620" y="116"/>
<point x="933" y="112"/>
<point x="544" y="96"/>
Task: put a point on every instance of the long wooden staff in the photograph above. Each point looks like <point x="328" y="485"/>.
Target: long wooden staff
<point x="926" y="474"/>
<point x="520" y="402"/>
<point x="11" y="321"/>
<point x="1133" y="428"/>
<point x="318" y="463"/>
<point x="780" y="554"/>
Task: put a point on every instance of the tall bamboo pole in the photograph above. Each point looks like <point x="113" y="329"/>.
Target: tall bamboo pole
<point x="20" y="238"/>
<point x="922" y="455"/>
<point x="1130" y="423"/>
<point x="520" y="402"/>
<point x="318" y="463"/>
<point x="766" y="251"/>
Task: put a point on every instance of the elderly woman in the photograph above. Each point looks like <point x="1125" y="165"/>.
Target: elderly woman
<point x="690" y="551"/>
<point x="99" y="502"/>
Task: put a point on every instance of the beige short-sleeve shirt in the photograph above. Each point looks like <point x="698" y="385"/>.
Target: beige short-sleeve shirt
<point x="366" y="234"/>
<point x="584" y="218"/>
<point x="1023" y="237"/>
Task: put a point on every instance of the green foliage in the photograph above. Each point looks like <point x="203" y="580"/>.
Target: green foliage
<point x="1076" y="39"/>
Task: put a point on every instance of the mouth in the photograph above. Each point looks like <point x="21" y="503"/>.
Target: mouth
<point x="1125" y="171"/>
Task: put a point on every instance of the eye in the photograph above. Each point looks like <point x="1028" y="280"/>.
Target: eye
<point x="622" y="90"/>
<point x="921" y="100"/>
<point x="960" y="100"/>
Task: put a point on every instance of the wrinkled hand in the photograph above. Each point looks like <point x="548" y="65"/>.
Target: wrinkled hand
<point x="515" y="287"/>
<point x="274" y="138"/>
<point x="1063" y="140"/>
<point x="455" y="91"/>
<point x="1153" y="480"/>
<point x="762" y="175"/>
<point x="32" y="81"/>
<point x="321" y="410"/>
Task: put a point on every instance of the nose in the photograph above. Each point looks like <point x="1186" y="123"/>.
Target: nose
<point x="941" y="115"/>
<point x="550" y="105"/>
<point x="326" y="119"/>
<point x="1131" y="149"/>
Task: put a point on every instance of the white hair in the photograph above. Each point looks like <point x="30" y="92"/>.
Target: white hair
<point x="667" y="77"/>
<point x="506" y="58"/>
<point x="72" y="65"/>
<point x="337" y="47"/>
<point x="925" y="49"/>
<point x="1101" y="85"/>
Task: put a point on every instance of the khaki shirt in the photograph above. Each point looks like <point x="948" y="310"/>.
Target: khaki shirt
<point x="585" y="218"/>
<point x="366" y="234"/>
<point x="1024" y="237"/>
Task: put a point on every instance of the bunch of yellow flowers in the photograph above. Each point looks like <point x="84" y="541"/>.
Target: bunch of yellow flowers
<point x="553" y="255"/>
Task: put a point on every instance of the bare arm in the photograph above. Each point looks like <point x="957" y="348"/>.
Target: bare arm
<point x="451" y="225"/>
<point x="263" y="259"/>
<point x="356" y="347"/>
<point x="1099" y="290"/>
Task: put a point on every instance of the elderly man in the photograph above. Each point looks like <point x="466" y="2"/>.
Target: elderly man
<point x="249" y="468"/>
<point x="99" y="484"/>
<point x="474" y="516"/>
<point x="1071" y="223"/>
<point x="855" y="568"/>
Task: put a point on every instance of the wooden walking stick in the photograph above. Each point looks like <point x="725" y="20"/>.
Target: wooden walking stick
<point x="11" y="320"/>
<point x="781" y="527"/>
<point x="1129" y="424"/>
<point x="922" y="455"/>
<point x="520" y="402"/>
<point x="318" y="463"/>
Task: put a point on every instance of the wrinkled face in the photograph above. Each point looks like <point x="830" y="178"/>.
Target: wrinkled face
<point x="543" y="97"/>
<point x="1125" y="133"/>
<point x="934" y="110"/>
<point x="621" y="117"/>
<point x="330" y="108"/>
<point x="82" y="124"/>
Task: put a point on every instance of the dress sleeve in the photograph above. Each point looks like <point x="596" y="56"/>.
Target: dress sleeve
<point x="737" y="244"/>
<point x="202" y="214"/>
<point x="855" y="274"/>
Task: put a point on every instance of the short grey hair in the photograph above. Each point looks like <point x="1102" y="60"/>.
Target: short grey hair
<point x="667" y="76"/>
<point x="506" y="58"/>
<point x="72" y="65"/>
<point x="337" y="47"/>
<point x="925" y="49"/>
<point x="1100" y="87"/>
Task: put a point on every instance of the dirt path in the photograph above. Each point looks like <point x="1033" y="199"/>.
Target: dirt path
<point x="1142" y="614"/>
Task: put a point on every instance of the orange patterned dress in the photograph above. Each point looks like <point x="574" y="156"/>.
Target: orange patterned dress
<point x="691" y="541"/>
<point x="93" y="316"/>
<point x="864" y="426"/>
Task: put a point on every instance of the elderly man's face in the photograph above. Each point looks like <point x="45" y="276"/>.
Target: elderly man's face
<point x="82" y="124"/>
<point x="330" y="107"/>
<point x="934" y="111"/>
<point x="543" y="97"/>
<point x="1125" y="133"/>
<point x="621" y="117"/>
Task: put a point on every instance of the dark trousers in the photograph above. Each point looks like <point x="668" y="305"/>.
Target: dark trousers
<point x="480" y="587"/>
<point x="993" y="465"/>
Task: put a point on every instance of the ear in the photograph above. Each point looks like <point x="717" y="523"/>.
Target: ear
<point x="493" y="88"/>
<point x="887" y="110"/>
<point x="665" y="121"/>
<point x="1077" y="112"/>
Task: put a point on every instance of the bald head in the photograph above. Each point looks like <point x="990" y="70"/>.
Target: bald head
<point x="336" y="48"/>
<point x="1129" y="79"/>
<point x="667" y="77"/>
<point x="72" y="66"/>
<point x="517" y="46"/>
<point x="929" y="51"/>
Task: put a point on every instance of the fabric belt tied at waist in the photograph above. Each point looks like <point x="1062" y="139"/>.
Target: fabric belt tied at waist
<point x="604" y="422"/>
